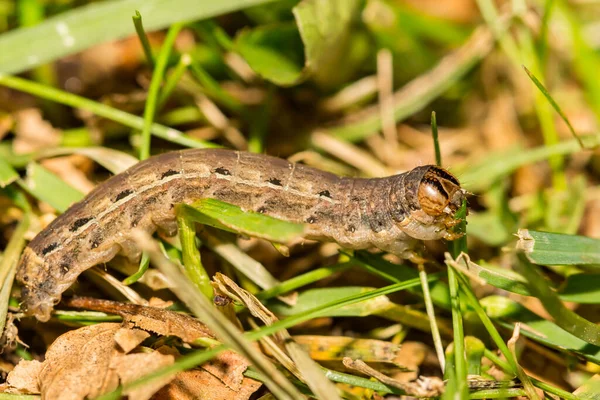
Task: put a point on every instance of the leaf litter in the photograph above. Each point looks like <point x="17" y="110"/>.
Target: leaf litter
<point x="87" y="362"/>
<point x="152" y="319"/>
<point x="95" y="360"/>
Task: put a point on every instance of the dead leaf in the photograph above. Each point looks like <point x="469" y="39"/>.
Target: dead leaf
<point x="134" y="366"/>
<point x="73" y="170"/>
<point x="200" y="384"/>
<point x="328" y="348"/>
<point x="87" y="362"/>
<point x="151" y="319"/>
<point x="159" y="303"/>
<point x="32" y="132"/>
<point x="129" y="339"/>
<point x="422" y="387"/>
<point x="229" y="368"/>
<point x="10" y="336"/>
<point x="23" y="379"/>
<point x="6" y="123"/>
<point x="222" y="377"/>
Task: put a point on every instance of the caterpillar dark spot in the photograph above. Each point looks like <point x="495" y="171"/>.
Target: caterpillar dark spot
<point x="275" y="181"/>
<point x="49" y="248"/>
<point x="123" y="194"/>
<point x="325" y="193"/>
<point x="222" y="171"/>
<point x="79" y="223"/>
<point x="168" y="173"/>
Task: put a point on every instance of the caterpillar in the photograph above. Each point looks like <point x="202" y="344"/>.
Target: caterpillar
<point x="391" y="213"/>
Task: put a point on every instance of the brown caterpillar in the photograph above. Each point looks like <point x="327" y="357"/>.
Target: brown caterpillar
<point x="390" y="213"/>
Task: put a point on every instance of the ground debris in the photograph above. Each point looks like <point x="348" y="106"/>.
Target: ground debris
<point x="220" y="379"/>
<point x="151" y="319"/>
<point x="85" y="363"/>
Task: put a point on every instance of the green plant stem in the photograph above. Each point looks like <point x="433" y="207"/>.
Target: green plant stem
<point x="530" y="57"/>
<point x="139" y="29"/>
<point x="130" y="120"/>
<point x="459" y="336"/>
<point x="436" y="141"/>
<point x="155" y="83"/>
<point x="260" y="124"/>
<point x="302" y="280"/>
<point x="490" y="15"/>
<point x="214" y="36"/>
<point x="8" y="265"/>
<point x="497" y="393"/>
<point x="554" y="105"/>
<point x="173" y="79"/>
<point x="457" y="247"/>
<point x="31" y="13"/>
<point x="435" y="331"/>
<point x="465" y="287"/>
<point x="213" y="89"/>
<point x="506" y="367"/>
<point x="190" y="254"/>
<point x="341" y="377"/>
<point x="144" y="265"/>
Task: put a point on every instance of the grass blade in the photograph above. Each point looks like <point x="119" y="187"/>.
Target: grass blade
<point x="563" y="317"/>
<point x="113" y="160"/>
<point x="225" y="246"/>
<point x="538" y="328"/>
<point x="419" y="92"/>
<point x="301" y="280"/>
<point x="483" y="174"/>
<point x="122" y="117"/>
<point x="225" y="216"/>
<point x="8" y="266"/>
<point x="139" y="29"/>
<point x="84" y="27"/>
<point x="547" y="248"/>
<point x="548" y="97"/>
<point x="581" y="288"/>
<point x="191" y="256"/>
<point x="45" y="186"/>
<point x="7" y="173"/>
<point x="153" y="90"/>
<point x="487" y="275"/>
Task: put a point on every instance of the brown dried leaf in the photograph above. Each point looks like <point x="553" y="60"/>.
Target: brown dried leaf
<point x="6" y="123"/>
<point x="23" y="379"/>
<point x="10" y="336"/>
<point x="151" y="319"/>
<point x="422" y="387"/>
<point x="72" y="169"/>
<point x="328" y="348"/>
<point x="229" y="368"/>
<point x="201" y="384"/>
<point x="33" y="133"/>
<point x="134" y="366"/>
<point x="87" y="363"/>
<point x="224" y="373"/>
<point x="129" y="339"/>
